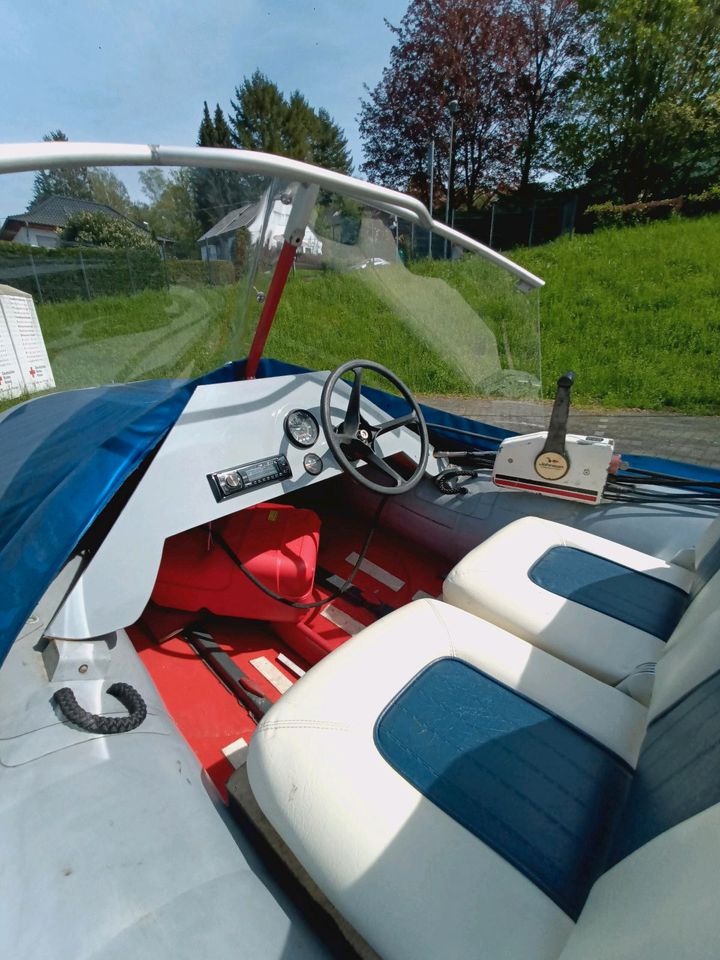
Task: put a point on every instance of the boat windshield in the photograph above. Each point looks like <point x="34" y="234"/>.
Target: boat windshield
<point x="165" y="272"/>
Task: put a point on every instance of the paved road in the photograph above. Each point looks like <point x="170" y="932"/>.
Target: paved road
<point x="675" y="436"/>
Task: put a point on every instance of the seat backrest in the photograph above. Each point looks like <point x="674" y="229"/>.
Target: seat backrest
<point x="659" y="897"/>
<point x="707" y="557"/>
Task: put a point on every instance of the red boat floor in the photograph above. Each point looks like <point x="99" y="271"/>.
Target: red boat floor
<point x="206" y="712"/>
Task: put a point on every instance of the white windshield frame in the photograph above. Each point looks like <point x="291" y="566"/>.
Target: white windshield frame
<point x="23" y="157"/>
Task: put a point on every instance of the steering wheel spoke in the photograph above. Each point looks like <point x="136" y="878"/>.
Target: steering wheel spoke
<point x="352" y="440"/>
<point x="395" y="424"/>
<point x="351" y="423"/>
<point x="369" y="456"/>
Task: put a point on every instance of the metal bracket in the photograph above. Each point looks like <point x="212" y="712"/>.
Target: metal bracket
<point x="78" y="659"/>
<point x="303" y="205"/>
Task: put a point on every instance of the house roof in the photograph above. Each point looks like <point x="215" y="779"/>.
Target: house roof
<point x="242" y="217"/>
<point x="56" y="211"/>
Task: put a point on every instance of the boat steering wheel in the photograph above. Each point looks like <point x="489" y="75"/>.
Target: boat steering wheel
<point x="354" y="439"/>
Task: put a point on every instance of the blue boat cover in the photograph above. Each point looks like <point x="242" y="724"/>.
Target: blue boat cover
<point x="65" y="455"/>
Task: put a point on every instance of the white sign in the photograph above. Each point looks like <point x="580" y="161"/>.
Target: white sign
<point x="24" y="363"/>
<point x="11" y="380"/>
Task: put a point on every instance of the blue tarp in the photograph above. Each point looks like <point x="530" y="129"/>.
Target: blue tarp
<point x="63" y="457"/>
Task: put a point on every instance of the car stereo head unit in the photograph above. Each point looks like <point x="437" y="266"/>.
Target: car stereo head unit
<point x="231" y="482"/>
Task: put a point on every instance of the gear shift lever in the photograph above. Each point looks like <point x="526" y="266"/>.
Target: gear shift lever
<point x="553" y="462"/>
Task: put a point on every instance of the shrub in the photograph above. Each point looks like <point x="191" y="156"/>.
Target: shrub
<point x="626" y="214"/>
<point x="706" y="202"/>
<point x="102" y="230"/>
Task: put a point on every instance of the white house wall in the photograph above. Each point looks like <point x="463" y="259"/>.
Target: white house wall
<point x="37" y="237"/>
<point x="276" y="226"/>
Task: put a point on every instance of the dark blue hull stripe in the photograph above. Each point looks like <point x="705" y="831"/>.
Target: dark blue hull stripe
<point x="640" y="600"/>
<point x="531" y="786"/>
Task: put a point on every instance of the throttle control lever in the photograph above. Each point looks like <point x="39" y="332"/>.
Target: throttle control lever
<point x="553" y="462"/>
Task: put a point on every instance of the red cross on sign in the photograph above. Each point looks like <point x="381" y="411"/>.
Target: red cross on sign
<point x="33" y="372"/>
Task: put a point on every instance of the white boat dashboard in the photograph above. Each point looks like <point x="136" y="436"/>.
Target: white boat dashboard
<point x="235" y="445"/>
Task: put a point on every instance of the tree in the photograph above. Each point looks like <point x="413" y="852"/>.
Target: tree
<point x="172" y="213"/>
<point x="223" y="134"/>
<point x="102" y="230"/>
<point x="66" y="182"/>
<point x="509" y="66"/>
<point x="109" y="189"/>
<point x="330" y="149"/>
<point x="262" y="119"/>
<point x="551" y="49"/>
<point x="445" y="50"/>
<point x="215" y="192"/>
<point x="259" y="115"/>
<point x="648" y="104"/>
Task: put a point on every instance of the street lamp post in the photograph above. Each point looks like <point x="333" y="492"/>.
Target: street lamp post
<point x="453" y="110"/>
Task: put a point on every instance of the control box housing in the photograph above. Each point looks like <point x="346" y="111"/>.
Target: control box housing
<point x="579" y="476"/>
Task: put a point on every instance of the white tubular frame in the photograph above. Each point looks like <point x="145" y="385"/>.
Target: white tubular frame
<point x="22" y="157"/>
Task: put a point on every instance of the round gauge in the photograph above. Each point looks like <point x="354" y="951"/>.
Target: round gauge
<point x="313" y="464"/>
<point x="301" y="428"/>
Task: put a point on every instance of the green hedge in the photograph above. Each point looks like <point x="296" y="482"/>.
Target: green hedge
<point x="627" y="214"/>
<point x="68" y="273"/>
<point x="706" y="202"/>
<point x="195" y="273"/>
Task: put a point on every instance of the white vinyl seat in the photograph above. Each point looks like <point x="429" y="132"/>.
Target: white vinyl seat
<point x="448" y="785"/>
<point x="599" y="605"/>
<point x="457" y="792"/>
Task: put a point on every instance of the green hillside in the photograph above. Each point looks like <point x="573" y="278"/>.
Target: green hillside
<point x="636" y="312"/>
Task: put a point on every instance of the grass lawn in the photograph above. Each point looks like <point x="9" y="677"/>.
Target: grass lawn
<point x="635" y="312"/>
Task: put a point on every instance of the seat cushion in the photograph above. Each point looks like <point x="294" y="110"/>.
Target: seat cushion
<point x="414" y="880"/>
<point x="526" y="783"/>
<point x="596" y="604"/>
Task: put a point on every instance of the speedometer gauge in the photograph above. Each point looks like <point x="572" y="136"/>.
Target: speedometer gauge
<point x="301" y="428"/>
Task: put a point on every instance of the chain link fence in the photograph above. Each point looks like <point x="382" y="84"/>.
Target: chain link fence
<point x="502" y="226"/>
<point x="84" y="273"/>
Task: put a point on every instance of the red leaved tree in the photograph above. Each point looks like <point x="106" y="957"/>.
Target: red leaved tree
<point x="504" y="61"/>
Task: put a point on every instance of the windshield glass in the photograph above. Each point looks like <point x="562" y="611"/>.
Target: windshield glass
<point x="168" y="278"/>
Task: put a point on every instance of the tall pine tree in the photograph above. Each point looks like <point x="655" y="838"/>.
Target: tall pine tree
<point x="262" y="119"/>
<point x="216" y="192"/>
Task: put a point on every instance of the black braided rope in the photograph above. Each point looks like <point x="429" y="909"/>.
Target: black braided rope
<point x="93" y="722"/>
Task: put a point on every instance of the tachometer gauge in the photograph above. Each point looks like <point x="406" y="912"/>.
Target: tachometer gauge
<point x="301" y="428"/>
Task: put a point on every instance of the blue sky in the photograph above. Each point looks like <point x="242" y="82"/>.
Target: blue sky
<point x="137" y="71"/>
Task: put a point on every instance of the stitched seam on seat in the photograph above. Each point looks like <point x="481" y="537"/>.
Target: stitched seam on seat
<point x="625" y="608"/>
<point x="480" y="766"/>
<point x="445" y="628"/>
<point x="649" y="748"/>
<point x="475" y="803"/>
<point x="523" y="760"/>
<point x="694" y="759"/>
<point x="304" y="724"/>
<point x="659" y="757"/>
<point x="538" y="770"/>
<point x="563" y="756"/>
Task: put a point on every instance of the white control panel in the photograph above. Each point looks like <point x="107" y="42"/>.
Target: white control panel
<point x="578" y="474"/>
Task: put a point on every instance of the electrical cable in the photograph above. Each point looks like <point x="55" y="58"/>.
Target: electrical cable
<point x="224" y="545"/>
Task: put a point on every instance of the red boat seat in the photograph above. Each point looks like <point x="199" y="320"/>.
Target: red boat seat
<point x="279" y="545"/>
